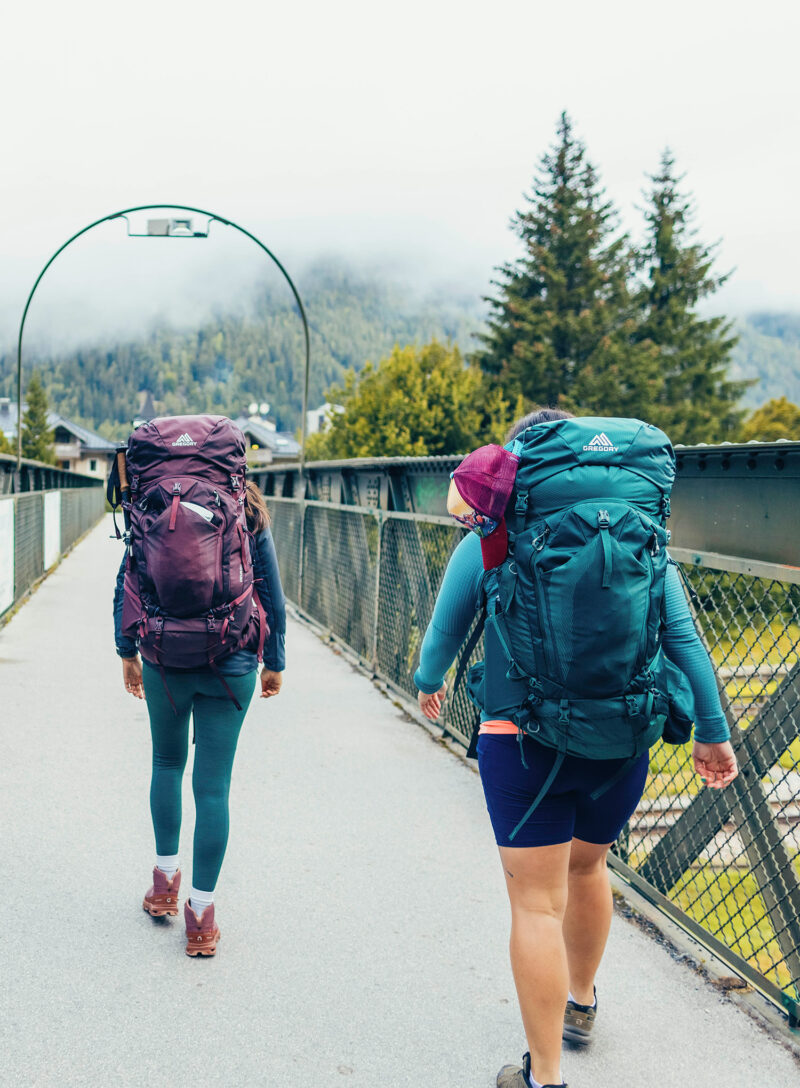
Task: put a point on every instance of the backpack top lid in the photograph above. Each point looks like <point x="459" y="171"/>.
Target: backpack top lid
<point x="562" y="444"/>
<point x="197" y="443"/>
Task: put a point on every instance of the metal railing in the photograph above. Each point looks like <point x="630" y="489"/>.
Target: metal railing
<point x="37" y="476"/>
<point x="36" y="529"/>
<point x="724" y="864"/>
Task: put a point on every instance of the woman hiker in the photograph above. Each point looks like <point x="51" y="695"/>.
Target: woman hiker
<point x="217" y="698"/>
<point x="553" y="837"/>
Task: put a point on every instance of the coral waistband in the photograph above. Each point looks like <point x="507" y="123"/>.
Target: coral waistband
<point x="498" y="726"/>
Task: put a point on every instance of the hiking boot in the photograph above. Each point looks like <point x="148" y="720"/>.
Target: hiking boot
<point x="512" y="1076"/>
<point x="163" y="895"/>
<point x="579" y="1021"/>
<point x="202" y="933"/>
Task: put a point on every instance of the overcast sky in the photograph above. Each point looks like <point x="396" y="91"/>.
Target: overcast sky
<point x="402" y="134"/>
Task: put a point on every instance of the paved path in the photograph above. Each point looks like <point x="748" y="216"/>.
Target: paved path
<point x="361" y="903"/>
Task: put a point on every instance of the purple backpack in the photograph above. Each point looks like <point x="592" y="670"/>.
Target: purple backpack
<point x="189" y="595"/>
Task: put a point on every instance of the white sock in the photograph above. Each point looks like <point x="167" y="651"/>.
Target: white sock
<point x="575" y="1001"/>
<point x="535" y="1084"/>
<point x="200" y="900"/>
<point x="167" y="863"/>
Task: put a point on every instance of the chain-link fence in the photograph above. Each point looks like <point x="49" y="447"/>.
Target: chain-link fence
<point x="725" y="864"/>
<point x="35" y="529"/>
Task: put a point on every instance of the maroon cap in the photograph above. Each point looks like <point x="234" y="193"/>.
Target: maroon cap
<point x="485" y="480"/>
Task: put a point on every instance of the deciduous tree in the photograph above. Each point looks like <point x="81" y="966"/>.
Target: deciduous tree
<point x="420" y="401"/>
<point x="776" y="419"/>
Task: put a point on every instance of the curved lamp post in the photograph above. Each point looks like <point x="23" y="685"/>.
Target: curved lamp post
<point x="181" y="228"/>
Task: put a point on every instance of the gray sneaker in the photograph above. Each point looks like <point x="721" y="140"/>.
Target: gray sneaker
<point x="512" y="1076"/>
<point x="579" y="1021"/>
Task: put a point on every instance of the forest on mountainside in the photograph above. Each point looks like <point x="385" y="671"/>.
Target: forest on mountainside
<point x="255" y="355"/>
<point x="769" y="351"/>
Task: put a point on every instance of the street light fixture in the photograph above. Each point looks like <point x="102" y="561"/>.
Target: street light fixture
<point x="172" y="227"/>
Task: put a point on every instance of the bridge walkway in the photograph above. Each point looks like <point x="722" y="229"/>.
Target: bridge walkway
<point x="363" y="914"/>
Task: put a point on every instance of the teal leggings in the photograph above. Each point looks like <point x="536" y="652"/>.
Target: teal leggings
<point x="217" y="723"/>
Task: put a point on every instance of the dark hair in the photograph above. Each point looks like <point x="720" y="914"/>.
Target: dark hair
<point x="538" y="415"/>
<point x="255" y="508"/>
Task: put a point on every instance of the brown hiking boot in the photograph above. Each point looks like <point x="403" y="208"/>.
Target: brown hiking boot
<point x="512" y="1076"/>
<point x="579" y="1021"/>
<point x="163" y="895"/>
<point x="202" y="933"/>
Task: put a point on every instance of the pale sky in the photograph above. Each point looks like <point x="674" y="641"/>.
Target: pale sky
<point x="399" y="134"/>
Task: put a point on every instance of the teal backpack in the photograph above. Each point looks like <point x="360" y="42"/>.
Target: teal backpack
<point x="574" y="614"/>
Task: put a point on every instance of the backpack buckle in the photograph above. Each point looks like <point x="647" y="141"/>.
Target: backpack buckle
<point x="234" y="482"/>
<point x="211" y="623"/>
<point x="603" y="519"/>
<point x="521" y="503"/>
<point x="633" y="710"/>
<point x="540" y="541"/>
<point x="535" y="696"/>
<point x="563" y="712"/>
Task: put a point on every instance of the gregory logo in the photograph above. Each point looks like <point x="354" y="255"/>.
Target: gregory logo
<point x="184" y="440"/>
<point x="601" y="443"/>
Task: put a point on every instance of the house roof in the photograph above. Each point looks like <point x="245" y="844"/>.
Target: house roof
<point x="88" y="439"/>
<point x="281" y="443"/>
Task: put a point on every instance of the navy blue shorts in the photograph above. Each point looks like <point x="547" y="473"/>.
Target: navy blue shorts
<point x="566" y="811"/>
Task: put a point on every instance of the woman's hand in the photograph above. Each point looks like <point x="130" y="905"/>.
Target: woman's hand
<point x="132" y="676"/>
<point x="431" y="705"/>
<point x="270" y="683"/>
<point x="715" y="763"/>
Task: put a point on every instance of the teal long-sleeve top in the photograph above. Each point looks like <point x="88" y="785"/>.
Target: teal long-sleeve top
<point x="460" y="598"/>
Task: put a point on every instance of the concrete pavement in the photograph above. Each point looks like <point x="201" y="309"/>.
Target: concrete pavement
<point x="363" y="913"/>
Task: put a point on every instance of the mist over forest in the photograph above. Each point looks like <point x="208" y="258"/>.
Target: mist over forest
<point x="253" y="351"/>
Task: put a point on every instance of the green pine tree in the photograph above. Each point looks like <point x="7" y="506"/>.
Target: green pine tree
<point x="698" y="403"/>
<point x="37" y="437"/>
<point x="562" y="324"/>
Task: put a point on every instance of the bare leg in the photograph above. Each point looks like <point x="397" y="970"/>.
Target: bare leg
<point x="587" y="918"/>
<point x="536" y="878"/>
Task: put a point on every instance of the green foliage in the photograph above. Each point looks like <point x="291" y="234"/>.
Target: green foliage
<point x="5" y="445"/>
<point x="773" y="420"/>
<point x="561" y="328"/>
<point x="697" y="401"/>
<point x="417" y="402"/>
<point x="37" y="437"/>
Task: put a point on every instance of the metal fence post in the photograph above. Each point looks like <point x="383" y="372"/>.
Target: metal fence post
<point x="379" y="516"/>
<point x="300" y="560"/>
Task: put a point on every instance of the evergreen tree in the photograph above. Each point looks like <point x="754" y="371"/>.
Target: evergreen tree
<point x="698" y="401"/>
<point x="561" y="328"/>
<point x="776" y="419"/>
<point x="418" y="402"/>
<point x="5" y="445"/>
<point x="37" y="437"/>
